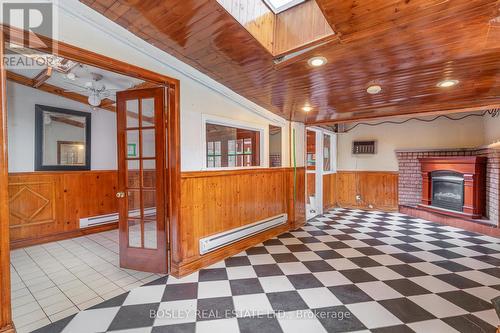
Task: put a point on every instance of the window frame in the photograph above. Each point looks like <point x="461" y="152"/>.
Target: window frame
<point x="228" y="122"/>
<point x="277" y="10"/>
<point x="283" y="148"/>
<point x="333" y="153"/>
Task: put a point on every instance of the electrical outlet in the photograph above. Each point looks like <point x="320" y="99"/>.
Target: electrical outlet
<point x="358" y="197"/>
<point x="370" y="206"/>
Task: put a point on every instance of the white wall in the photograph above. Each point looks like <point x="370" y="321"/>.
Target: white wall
<point x="491" y="130"/>
<point x="442" y="133"/>
<point x="21" y="102"/>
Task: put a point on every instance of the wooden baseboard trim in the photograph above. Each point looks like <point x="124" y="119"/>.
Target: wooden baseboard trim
<point x="16" y="244"/>
<point x="186" y="268"/>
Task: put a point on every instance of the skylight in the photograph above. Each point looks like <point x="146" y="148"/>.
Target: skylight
<point x="277" y="6"/>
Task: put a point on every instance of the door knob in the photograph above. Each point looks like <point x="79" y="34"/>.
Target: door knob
<point x="120" y="194"/>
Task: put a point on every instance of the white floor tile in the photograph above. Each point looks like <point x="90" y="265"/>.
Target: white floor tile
<point x="373" y="315"/>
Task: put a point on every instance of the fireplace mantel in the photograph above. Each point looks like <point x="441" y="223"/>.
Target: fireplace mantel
<point x="473" y="169"/>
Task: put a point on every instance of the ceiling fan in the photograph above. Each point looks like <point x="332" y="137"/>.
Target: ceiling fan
<point x="95" y="89"/>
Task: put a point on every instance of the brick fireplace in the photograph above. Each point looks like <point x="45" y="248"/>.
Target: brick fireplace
<point x="410" y="178"/>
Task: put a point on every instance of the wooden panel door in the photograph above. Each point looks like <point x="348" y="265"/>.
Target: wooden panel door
<point x="142" y="179"/>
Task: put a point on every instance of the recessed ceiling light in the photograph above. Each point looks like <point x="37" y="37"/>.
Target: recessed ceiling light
<point x="447" y="83"/>
<point x="374" y="89"/>
<point x="317" y="61"/>
<point x="307" y="108"/>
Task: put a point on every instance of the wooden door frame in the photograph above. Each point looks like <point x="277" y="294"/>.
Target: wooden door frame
<point x="77" y="54"/>
<point x="6" y="324"/>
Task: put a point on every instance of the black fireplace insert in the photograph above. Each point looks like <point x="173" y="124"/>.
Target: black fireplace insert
<point x="448" y="190"/>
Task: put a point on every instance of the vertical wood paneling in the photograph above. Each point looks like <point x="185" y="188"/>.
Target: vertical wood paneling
<point x="213" y="202"/>
<point x="377" y="189"/>
<point x="329" y="187"/>
<point x="49" y="203"/>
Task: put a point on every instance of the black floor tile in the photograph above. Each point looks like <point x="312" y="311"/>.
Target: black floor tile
<point x="298" y="248"/>
<point x="212" y="274"/>
<point x="406" y="270"/>
<point x="181" y="291"/>
<point x="468" y="324"/>
<point x="407" y="258"/>
<point x="358" y="275"/>
<point x="364" y="262"/>
<point x="406" y="287"/>
<point x="318" y="266"/>
<point x="259" y="324"/>
<point x="451" y="266"/>
<point x="286" y="301"/>
<point x="328" y="254"/>
<point x="349" y="294"/>
<point x="304" y="281"/>
<point x="458" y="281"/>
<point x="343" y="321"/>
<point x="237" y="261"/>
<point x="393" y="329"/>
<point x="284" y="257"/>
<point x="177" y="328"/>
<point x="267" y="270"/>
<point x="466" y="301"/>
<point x="406" y="310"/>
<point x="215" y="308"/>
<point x="245" y="286"/>
<point x="134" y="316"/>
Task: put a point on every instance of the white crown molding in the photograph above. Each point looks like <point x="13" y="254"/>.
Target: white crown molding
<point x="80" y="11"/>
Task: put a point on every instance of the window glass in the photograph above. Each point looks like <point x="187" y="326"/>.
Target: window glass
<point x="230" y="147"/>
<point x="327" y="152"/>
<point x="274" y="146"/>
<point x="311" y="150"/>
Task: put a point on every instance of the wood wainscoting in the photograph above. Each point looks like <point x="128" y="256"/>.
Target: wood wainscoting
<point x="47" y="206"/>
<point x="217" y="201"/>
<point x="378" y="190"/>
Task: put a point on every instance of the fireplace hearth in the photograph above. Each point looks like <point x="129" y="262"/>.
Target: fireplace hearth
<point x="448" y="190"/>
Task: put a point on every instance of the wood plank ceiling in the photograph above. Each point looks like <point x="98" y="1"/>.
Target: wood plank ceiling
<point x="406" y="46"/>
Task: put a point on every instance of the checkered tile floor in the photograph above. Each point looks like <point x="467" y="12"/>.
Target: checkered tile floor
<point x="347" y="270"/>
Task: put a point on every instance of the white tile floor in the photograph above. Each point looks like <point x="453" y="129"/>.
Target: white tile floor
<point x="55" y="280"/>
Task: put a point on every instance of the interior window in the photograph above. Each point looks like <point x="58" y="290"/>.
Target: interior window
<point x="327" y="152"/>
<point x="274" y="146"/>
<point x="230" y="147"/>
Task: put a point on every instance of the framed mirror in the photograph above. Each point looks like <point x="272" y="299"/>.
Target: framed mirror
<point x="62" y="139"/>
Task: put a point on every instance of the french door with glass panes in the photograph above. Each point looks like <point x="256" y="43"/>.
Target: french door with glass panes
<point x="142" y="195"/>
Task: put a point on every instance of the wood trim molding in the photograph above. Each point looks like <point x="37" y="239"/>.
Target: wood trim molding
<point x="67" y="51"/>
<point x="6" y="324"/>
<point x="230" y="172"/>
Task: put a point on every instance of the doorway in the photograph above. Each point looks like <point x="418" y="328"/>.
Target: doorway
<point x="141" y="179"/>
<point x="158" y="174"/>
<point x="320" y="161"/>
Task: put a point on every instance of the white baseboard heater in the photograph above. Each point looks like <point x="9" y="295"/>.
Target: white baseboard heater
<point x="93" y="221"/>
<point x="216" y="241"/>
